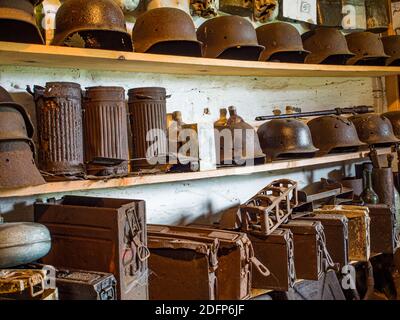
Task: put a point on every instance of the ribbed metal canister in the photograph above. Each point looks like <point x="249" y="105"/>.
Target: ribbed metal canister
<point x="148" y="110"/>
<point x="106" y="131"/>
<point x="60" y="129"/>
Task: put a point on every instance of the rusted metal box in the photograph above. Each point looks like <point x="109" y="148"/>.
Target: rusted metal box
<point x="308" y="248"/>
<point x="359" y="229"/>
<point x="383" y="229"/>
<point x="326" y="288"/>
<point x="182" y="269"/>
<point x="99" y="234"/>
<point x="336" y="229"/>
<point x="276" y="252"/>
<point x="235" y="257"/>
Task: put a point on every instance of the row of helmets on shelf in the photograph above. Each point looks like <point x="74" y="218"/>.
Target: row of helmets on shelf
<point x="85" y="135"/>
<point x="101" y="24"/>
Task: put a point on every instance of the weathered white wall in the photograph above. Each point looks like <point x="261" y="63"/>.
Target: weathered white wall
<point x="186" y="202"/>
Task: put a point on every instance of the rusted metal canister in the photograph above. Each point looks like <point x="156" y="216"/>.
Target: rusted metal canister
<point x="383" y="185"/>
<point x="148" y="117"/>
<point x="106" y="131"/>
<point x="60" y="129"/>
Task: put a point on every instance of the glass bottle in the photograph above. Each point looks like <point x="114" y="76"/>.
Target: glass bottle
<point x="369" y="195"/>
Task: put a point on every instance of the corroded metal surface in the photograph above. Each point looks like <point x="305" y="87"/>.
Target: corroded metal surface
<point x="14" y="281"/>
<point x="17" y="165"/>
<point x="204" y="8"/>
<point x="282" y="43"/>
<point x="18" y="22"/>
<point x="182" y="269"/>
<point x="392" y="48"/>
<point x="354" y="184"/>
<point x="394" y="117"/>
<point x="96" y="24"/>
<point x="22" y="243"/>
<point x="327" y="46"/>
<point x="265" y="10"/>
<point x="329" y="13"/>
<point x="368" y="49"/>
<point x="286" y="138"/>
<point x="166" y="31"/>
<point x="99" y="234"/>
<point x="377" y="12"/>
<point x="271" y="207"/>
<point x="383" y="185"/>
<point x="341" y="134"/>
<point x="106" y="130"/>
<point x="236" y="7"/>
<point x="235" y="257"/>
<point x="60" y="128"/>
<point x="229" y="37"/>
<point x="244" y="143"/>
<point x="147" y="107"/>
<point x="374" y="129"/>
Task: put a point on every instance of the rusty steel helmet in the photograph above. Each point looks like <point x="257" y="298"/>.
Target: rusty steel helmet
<point x="98" y="24"/>
<point x="282" y="43"/>
<point x="229" y="37"/>
<point x="392" y="48"/>
<point x="18" y="22"/>
<point x="327" y="46"/>
<point x="394" y="117"/>
<point x="17" y="165"/>
<point x="334" y="134"/>
<point x="286" y="138"/>
<point x="15" y="122"/>
<point x="368" y="49"/>
<point x="243" y="145"/>
<point x="166" y="31"/>
<point x="374" y="129"/>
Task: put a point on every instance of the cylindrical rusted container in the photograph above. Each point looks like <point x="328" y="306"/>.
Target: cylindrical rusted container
<point x="355" y="184"/>
<point x="60" y="130"/>
<point x="148" y="110"/>
<point x="383" y="185"/>
<point x="106" y="131"/>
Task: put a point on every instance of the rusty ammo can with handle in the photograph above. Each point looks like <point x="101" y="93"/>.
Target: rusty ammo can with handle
<point x="336" y="229"/>
<point x="182" y="269"/>
<point x="60" y="128"/>
<point x="106" y="131"/>
<point x="235" y="257"/>
<point x="99" y="234"/>
<point x="148" y="118"/>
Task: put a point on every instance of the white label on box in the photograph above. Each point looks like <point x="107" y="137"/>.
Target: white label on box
<point x="301" y="10"/>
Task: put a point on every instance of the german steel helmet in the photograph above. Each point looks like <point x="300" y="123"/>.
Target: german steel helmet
<point x="374" y="129"/>
<point x="394" y="117"/>
<point x="327" y="46"/>
<point x="391" y="45"/>
<point x="92" y="24"/>
<point x="286" y="138"/>
<point x="15" y="122"/>
<point x="282" y="43"/>
<point x="244" y="138"/>
<point x="18" y="21"/>
<point x="166" y="31"/>
<point x="334" y="134"/>
<point x="17" y="165"/>
<point x="368" y="49"/>
<point x="229" y="37"/>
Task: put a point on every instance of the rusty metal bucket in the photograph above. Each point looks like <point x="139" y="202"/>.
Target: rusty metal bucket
<point x="106" y="131"/>
<point x="148" y="118"/>
<point x="17" y="165"/>
<point x="60" y="129"/>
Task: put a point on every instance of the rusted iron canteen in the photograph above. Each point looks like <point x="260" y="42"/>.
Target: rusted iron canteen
<point x="368" y="49"/>
<point x="166" y="31"/>
<point x="286" y="138"/>
<point x="98" y="24"/>
<point x="229" y="37"/>
<point x="374" y="129"/>
<point x="282" y="43"/>
<point x="18" y="21"/>
<point x="327" y="46"/>
<point x="340" y="134"/>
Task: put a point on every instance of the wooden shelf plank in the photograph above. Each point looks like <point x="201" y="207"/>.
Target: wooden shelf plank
<point x="92" y="59"/>
<point x="68" y="186"/>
